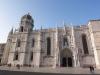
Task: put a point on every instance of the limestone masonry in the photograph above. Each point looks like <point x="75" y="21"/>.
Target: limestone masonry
<point x="76" y="46"/>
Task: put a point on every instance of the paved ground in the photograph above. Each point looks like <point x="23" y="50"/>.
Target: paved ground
<point x="26" y="73"/>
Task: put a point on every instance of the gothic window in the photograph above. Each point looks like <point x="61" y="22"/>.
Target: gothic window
<point x="0" y="60"/>
<point x="18" y="43"/>
<point x="48" y="46"/>
<point x="16" y="56"/>
<point x="85" y="46"/>
<point x="33" y="42"/>
<point x="21" y="29"/>
<point x="65" y="41"/>
<point x="31" y="56"/>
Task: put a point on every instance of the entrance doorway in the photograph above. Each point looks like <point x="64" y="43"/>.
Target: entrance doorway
<point x="69" y="62"/>
<point x="66" y="59"/>
<point x="64" y="62"/>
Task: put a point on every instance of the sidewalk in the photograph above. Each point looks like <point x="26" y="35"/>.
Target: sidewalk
<point x="51" y="70"/>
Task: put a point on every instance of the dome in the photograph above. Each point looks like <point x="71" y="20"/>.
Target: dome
<point x="27" y="20"/>
<point x="27" y="16"/>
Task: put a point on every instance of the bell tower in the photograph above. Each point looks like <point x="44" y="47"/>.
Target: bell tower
<point x="26" y="24"/>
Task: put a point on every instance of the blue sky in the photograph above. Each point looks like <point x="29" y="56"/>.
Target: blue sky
<point x="46" y="13"/>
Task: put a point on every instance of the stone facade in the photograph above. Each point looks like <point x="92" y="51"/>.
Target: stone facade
<point x="76" y="46"/>
<point x="2" y="46"/>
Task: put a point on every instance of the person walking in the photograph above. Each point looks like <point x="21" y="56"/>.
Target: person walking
<point x="92" y="69"/>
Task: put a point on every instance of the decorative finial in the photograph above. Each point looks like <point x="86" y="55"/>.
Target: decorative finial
<point x="63" y="23"/>
<point x="41" y="27"/>
<point x="56" y="25"/>
<point x="71" y="24"/>
<point x="28" y="13"/>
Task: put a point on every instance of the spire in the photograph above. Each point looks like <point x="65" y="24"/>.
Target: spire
<point x="73" y="36"/>
<point x="28" y="13"/>
<point x="11" y="32"/>
<point x="56" y="26"/>
<point x="71" y="24"/>
<point x="64" y="27"/>
<point x="64" y="23"/>
<point x="41" y="27"/>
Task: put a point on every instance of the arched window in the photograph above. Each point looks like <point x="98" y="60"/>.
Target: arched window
<point x="85" y="46"/>
<point x="33" y="42"/>
<point x="18" y="43"/>
<point x="31" y="56"/>
<point x="48" y="46"/>
<point x="65" y="41"/>
<point x="16" y="56"/>
<point x="21" y="29"/>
